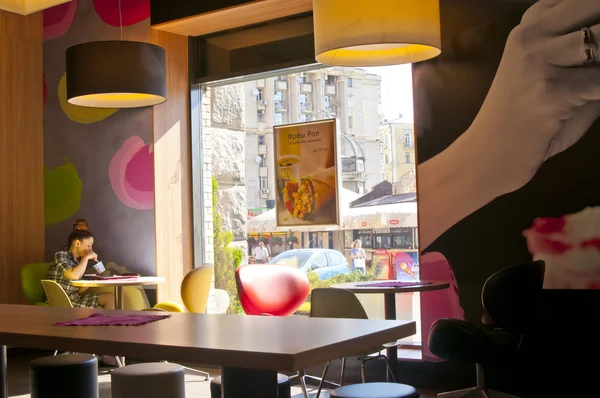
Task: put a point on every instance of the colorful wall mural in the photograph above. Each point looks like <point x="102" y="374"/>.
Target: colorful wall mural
<point x="99" y="163"/>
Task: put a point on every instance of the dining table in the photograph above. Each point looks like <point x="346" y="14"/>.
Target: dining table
<point x="249" y="349"/>
<point x="118" y="283"/>
<point x="389" y="289"/>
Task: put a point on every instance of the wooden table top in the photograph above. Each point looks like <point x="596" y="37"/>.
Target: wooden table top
<point x="259" y="342"/>
<point x="354" y="288"/>
<point x="142" y="280"/>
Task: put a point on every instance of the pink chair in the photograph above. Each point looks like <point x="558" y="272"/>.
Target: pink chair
<point x="271" y="289"/>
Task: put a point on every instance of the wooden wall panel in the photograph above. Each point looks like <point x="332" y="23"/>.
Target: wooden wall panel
<point x="172" y="170"/>
<point x="21" y="150"/>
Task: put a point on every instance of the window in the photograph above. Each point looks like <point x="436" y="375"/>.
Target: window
<point x="303" y="98"/>
<point x="383" y="241"/>
<point x="350" y="101"/>
<point x="263" y="161"/>
<point x="259" y="94"/>
<point x="407" y="157"/>
<point x="278" y="96"/>
<point x="336" y="259"/>
<point x="303" y="117"/>
<point x="407" y="142"/>
<point x="260" y="117"/>
<point x="264" y="183"/>
<point x="350" y="122"/>
<point x="349" y="82"/>
<point x="320" y="260"/>
<point x="261" y="140"/>
<point x="278" y="119"/>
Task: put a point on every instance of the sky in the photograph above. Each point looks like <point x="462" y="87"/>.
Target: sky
<point x="396" y="91"/>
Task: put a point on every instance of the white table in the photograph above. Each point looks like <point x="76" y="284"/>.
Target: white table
<point x="118" y="285"/>
<point x="249" y="349"/>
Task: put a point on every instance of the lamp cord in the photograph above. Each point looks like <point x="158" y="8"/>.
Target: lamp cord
<point x="121" y="20"/>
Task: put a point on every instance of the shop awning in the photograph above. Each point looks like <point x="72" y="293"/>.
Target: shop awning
<point x="391" y="215"/>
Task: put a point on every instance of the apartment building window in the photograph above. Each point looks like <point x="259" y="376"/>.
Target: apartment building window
<point x="349" y="82"/>
<point x="278" y="96"/>
<point x="350" y="101"/>
<point x="278" y="118"/>
<point x="259" y="94"/>
<point x="264" y="183"/>
<point x="330" y="80"/>
<point x="260" y="117"/>
<point x="261" y="140"/>
<point x="407" y="140"/>
<point x="407" y="157"/>
<point x="263" y="161"/>
<point x="303" y="117"/>
<point x="350" y="122"/>
<point x="303" y="98"/>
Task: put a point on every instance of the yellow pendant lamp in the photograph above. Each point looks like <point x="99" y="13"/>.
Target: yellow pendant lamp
<point x="25" y="7"/>
<point x="377" y="32"/>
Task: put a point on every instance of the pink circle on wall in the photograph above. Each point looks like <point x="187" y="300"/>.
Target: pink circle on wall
<point x="131" y="173"/>
<point x="132" y="11"/>
<point x="59" y="19"/>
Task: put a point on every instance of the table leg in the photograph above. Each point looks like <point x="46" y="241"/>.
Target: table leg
<point x="3" y="378"/>
<point x="119" y="305"/>
<point x="390" y="314"/>
<point x="248" y="383"/>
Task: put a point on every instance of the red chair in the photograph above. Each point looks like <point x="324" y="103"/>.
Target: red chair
<point x="271" y="289"/>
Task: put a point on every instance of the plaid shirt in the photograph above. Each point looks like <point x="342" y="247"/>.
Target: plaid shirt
<point x="64" y="260"/>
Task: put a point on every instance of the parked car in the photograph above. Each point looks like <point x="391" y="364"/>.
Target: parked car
<point x="323" y="262"/>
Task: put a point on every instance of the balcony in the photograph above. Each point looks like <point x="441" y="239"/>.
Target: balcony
<point x="281" y="85"/>
<point x="260" y="83"/>
<point x="261" y="126"/>
<point x="262" y="149"/>
<point x="262" y="172"/>
<point x="306" y="107"/>
<point x="261" y="104"/>
<point x="280" y="106"/>
<point x="264" y="193"/>
<point x="306" y="88"/>
<point x="329" y="90"/>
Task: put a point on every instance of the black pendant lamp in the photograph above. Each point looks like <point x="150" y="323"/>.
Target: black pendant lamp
<point x="116" y="74"/>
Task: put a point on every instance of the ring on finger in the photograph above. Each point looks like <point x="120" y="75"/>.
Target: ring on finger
<point x="589" y="49"/>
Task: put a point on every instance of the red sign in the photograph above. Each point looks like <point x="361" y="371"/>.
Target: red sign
<point x="364" y="224"/>
<point x="394" y="222"/>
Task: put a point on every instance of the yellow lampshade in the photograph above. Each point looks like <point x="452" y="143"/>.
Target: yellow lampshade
<point x="376" y="33"/>
<point x="25" y="7"/>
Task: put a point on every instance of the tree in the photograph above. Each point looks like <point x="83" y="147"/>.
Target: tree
<point x="227" y="258"/>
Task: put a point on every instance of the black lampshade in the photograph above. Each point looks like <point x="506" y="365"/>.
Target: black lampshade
<point x="116" y="74"/>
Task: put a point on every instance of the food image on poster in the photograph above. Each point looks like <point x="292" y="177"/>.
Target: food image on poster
<point x="306" y="174"/>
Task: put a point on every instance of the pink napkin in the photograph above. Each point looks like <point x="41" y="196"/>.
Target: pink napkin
<point x="116" y="320"/>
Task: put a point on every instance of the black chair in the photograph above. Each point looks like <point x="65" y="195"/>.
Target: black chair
<point x="68" y="376"/>
<point x="511" y="299"/>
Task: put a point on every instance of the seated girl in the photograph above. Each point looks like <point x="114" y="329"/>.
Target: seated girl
<point x="70" y="263"/>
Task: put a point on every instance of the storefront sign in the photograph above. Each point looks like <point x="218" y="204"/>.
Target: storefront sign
<point x="307" y="174"/>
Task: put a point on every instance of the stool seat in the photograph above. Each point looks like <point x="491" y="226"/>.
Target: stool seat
<point x="80" y="369"/>
<point x="375" y="390"/>
<point x="284" y="386"/>
<point x="149" y="380"/>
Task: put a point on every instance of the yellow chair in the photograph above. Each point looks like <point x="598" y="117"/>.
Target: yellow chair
<point x="57" y="297"/>
<point x="169" y="306"/>
<point x="134" y="298"/>
<point x="195" y="288"/>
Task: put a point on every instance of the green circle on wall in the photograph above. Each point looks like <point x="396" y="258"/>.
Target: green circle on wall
<point x="62" y="193"/>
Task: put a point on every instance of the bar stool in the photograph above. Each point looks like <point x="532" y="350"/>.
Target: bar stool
<point x="284" y="386"/>
<point x="49" y="375"/>
<point x="375" y="390"/>
<point x="149" y="380"/>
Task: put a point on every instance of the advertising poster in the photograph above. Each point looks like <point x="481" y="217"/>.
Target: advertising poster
<point x="307" y="174"/>
<point x="381" y="262"/>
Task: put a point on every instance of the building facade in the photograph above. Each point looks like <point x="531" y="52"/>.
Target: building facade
<point x="398" y="155"/>
<point x="351" y="95"/>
